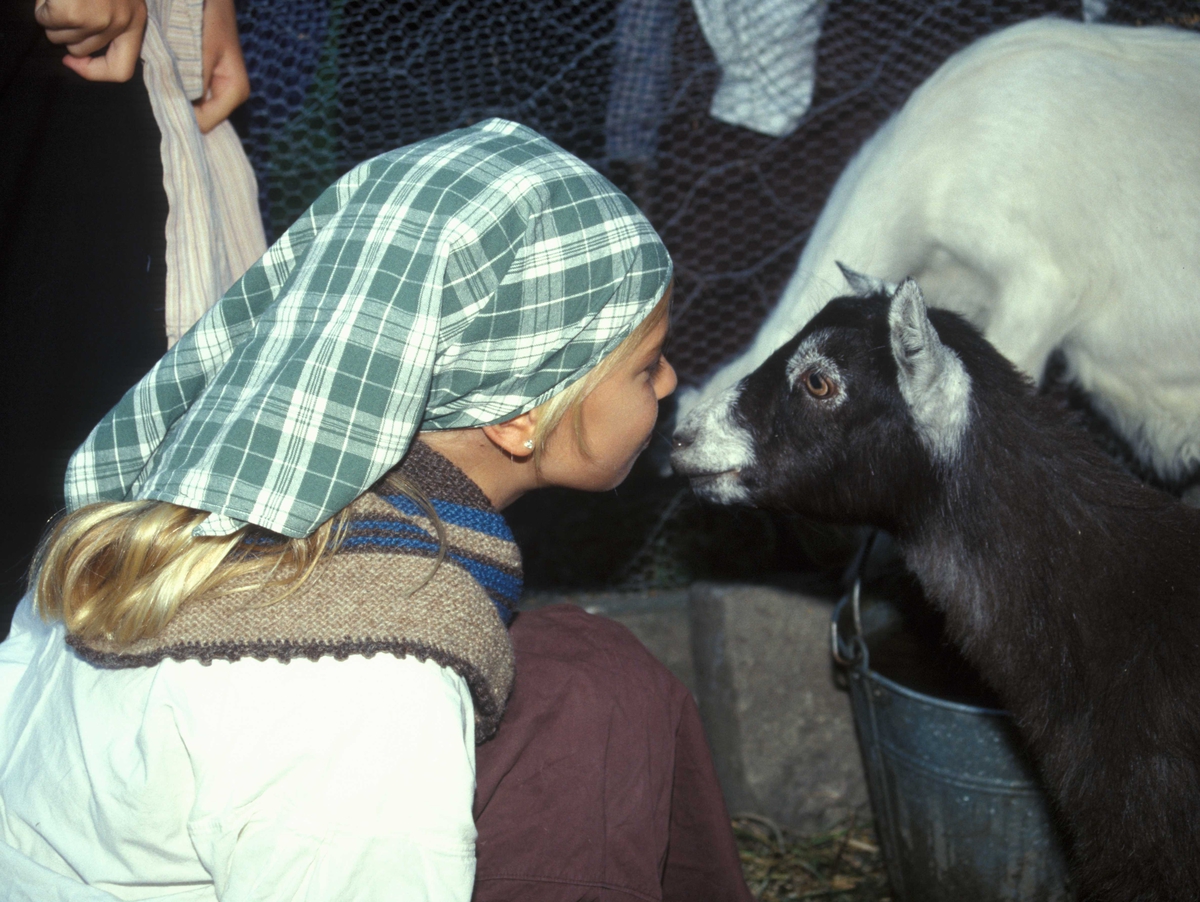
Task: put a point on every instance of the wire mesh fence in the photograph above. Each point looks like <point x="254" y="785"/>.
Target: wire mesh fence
<point x="626" y="85"/>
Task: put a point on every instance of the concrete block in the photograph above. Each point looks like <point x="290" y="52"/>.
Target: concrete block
<point x="780" y="729"/>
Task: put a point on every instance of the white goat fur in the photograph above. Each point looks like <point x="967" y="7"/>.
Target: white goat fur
<point x="1045" y="183"/>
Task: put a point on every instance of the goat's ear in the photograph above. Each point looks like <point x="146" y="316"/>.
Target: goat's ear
<point x="911" y="330"/>
<point x="864" y="285"/>
<point x="932" y="378"/>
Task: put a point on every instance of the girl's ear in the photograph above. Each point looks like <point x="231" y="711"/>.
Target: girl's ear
<point x="515" y="436"/>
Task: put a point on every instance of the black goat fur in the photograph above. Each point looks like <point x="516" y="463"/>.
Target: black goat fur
<point x="1073" y="588"/>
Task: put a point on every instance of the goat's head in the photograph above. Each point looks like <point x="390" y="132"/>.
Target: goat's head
<point x="851" y="420"/>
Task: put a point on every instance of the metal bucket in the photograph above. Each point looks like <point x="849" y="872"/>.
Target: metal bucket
<point x="958" y="810"/>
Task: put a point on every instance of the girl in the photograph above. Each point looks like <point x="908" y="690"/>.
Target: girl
<point x="274" y="625"/>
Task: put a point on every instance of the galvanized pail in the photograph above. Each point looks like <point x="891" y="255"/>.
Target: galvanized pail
<point x="958" y="809"/>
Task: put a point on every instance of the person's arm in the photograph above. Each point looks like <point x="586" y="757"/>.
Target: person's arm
<point x="226" y="83"/>
<point x="89" y="26"/>
<point x="348" y="780"/>
<point x="118" y="26"/>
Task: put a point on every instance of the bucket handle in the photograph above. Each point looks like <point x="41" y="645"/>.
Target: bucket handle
<point x="854" y="652"/>
<point x="851" y="652"/>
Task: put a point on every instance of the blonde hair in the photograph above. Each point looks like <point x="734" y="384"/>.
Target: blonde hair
<point x="568" y="404"/>
<point x="119" y="571"/>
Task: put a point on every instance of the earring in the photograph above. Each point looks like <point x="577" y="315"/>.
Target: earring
<point x="528" y="444"/>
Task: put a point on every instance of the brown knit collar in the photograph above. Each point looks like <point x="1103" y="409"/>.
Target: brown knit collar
<point x="373" y="595"/>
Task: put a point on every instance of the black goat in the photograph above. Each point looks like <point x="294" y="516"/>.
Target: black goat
<point x="1072" y="588"/>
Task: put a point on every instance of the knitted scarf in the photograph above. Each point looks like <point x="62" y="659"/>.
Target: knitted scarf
<point x="361" y="599"/>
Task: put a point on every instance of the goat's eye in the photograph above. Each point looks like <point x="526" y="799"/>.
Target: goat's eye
<point x="817" y="384"/>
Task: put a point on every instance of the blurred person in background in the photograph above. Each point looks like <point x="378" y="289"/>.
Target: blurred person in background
<point x="127" y="207"/>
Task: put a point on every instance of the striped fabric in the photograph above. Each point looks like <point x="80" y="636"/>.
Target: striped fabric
<point x="214" y="229"/>
<point x="478" y="538"/>
<point x="502" y="585"/>
<point x="453" y="283"/>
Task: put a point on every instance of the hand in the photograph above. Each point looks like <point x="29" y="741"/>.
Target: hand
<point x="226" y="84"/>
<point x="87" y="26"/>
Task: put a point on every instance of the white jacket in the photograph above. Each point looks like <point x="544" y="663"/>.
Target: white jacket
<point x="251" y="780"/>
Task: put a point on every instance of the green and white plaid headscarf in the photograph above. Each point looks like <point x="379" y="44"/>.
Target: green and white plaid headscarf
<point x="456" y="282"/>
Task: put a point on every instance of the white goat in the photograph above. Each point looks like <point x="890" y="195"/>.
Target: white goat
<point x="1045" y="183"/>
